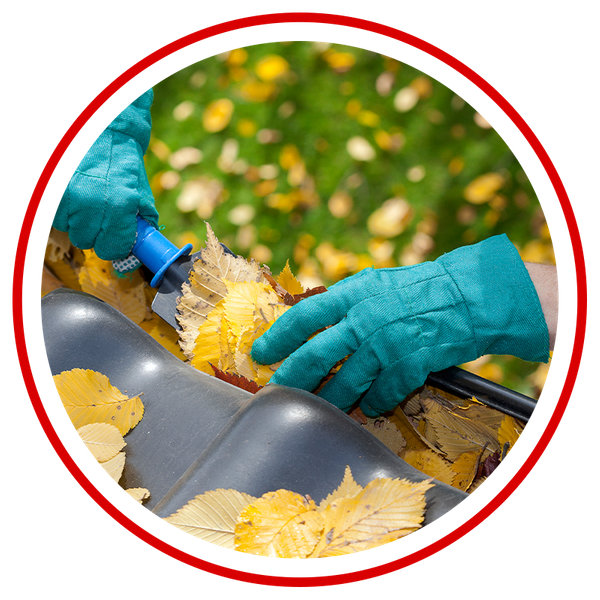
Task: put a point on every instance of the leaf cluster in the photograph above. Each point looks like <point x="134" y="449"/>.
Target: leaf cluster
<point x="225" y="306"/>
<point x="458" y="442"/>
<point x="285" y="524"/>
<point x="102" y="415"/>
<point x="82" y="270"/>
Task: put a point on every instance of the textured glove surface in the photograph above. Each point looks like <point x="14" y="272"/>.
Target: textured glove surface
<point x="110" y="187"/>
<point x="398" y="325"/>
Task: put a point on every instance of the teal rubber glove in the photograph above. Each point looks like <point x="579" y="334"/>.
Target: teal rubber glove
<point x="110" y="187"/>
<point x="398" y="325"/>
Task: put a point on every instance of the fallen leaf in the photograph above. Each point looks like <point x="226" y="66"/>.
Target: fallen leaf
<point x="385" y="510"/>
<point x="114" y="467"/>
<point x="126" y="294"/>
<point x="279" y="524"/>
<point x="457" y="434"/>
<point x="508" y="432"/>
<point x="139" y="494"/>
<point x="414" y="440"/>
<point x="291" y="300"/>
<point x="287" y="280"/>
<point x="387" y="432"/>
<point x="212" y="516"/>
<point x="49" y="281"/>
<point x="206" y="287"/>
<point x="430" y="463"/>
<point x="237" y="380"/>
<point x="489" y="464"/>
<point x="163" y="333"/>
<point x="347" y="489"/>
<point x="88" y="397"/>
<point x="465" y="467"/>
<point x="104" y="441"/>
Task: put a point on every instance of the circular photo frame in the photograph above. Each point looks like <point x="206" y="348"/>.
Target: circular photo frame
<point x="561" y="219"/>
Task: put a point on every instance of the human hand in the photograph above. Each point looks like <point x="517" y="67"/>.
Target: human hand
<point x="398" y="325"/>
<point x="110" y="187"/>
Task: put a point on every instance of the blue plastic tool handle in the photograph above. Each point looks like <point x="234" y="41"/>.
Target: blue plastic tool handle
<point x="155" y="251"/>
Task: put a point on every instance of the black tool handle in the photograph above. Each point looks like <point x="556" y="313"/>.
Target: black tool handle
<point x="464" y="384"/>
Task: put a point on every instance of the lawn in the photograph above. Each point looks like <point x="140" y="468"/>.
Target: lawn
<point x="336" y="159"/>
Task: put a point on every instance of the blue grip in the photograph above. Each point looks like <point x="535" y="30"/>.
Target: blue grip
<point x="155" y="251"/>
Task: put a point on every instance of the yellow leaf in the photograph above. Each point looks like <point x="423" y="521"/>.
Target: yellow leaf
<point x="508" y="433"/>
<point x="58" y="245"/>
<point x="139" y="494"/>
<point x="289" y="157"/>
<point x="347" y="489"/>
<point x="208" y="348"/>
<point x="414" y="439"/>
<point x="465" y="467"/>
<point x="206" y="287"/>
<point x="272" y="67"/>
<point x="246" y="301"/>
<point x="257" y="91"/>
<point x="431" y="464"/>
<point x="212" y="516"/>
<point x="483" y="188"/>
<point x="244" y="365"/>
<point x="104" y="441"/>
<point x="114" y="467"/>
<point x="88" y="397"/>
<point x="65" y="271"/>
<point x="164" y="334"/>
<point x="340" y="62"/>
<point x="126" y="294"/>
<point x="390" y="219"/>
<point x="217" y="115"/>
<point x="385" y="510"/>
<point x="288" y="281"/>
<point x="457" y="434"/>
<point x="279" y="524"/>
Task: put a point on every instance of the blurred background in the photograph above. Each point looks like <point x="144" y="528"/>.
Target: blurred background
<point x="336" y="159"/>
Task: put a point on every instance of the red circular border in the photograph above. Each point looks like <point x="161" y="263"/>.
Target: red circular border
<point x="300" y="18"/>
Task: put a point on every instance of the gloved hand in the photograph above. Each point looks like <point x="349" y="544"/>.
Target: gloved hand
<point x="398" y="325"/>
<point x="110" y="187"/>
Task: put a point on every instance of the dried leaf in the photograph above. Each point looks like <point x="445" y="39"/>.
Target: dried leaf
<point x="88" y="397"/>
<point x="58" y="245"/>
<point x="291" y="300"/>
<point x="163" y="333"/>
<point x="126" y="294"/>
<point x="387" y="432"/>
<point x="414" y="440"/>
<point x="225" y="338"/>
<point x="488" y="466"/>
<point x="114" y="467"/>
<point x="347" y="489"/>
<point x="206" y="286"/>
<point x="385" y="510"/>
<point x="139" y="494"/>
<point x="104" y="441"/>
<point x="457" y="434"/>
<point x="211" y="345"/>
<point x="508" y="432"/>
<point x="249" y="304"/>
<point x="465" y="467"/>
<point x="212" y="516"/>
<point x="481" y="414"/>
<point x="288" y="281"/>
<point x="279" y="524"/>
<point x="49" y="281"/>
<point x="431" y="464"/>
<point x="237" y="380"/>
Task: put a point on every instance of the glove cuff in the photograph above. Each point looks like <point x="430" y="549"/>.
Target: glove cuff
<point x="505" y="309"/>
